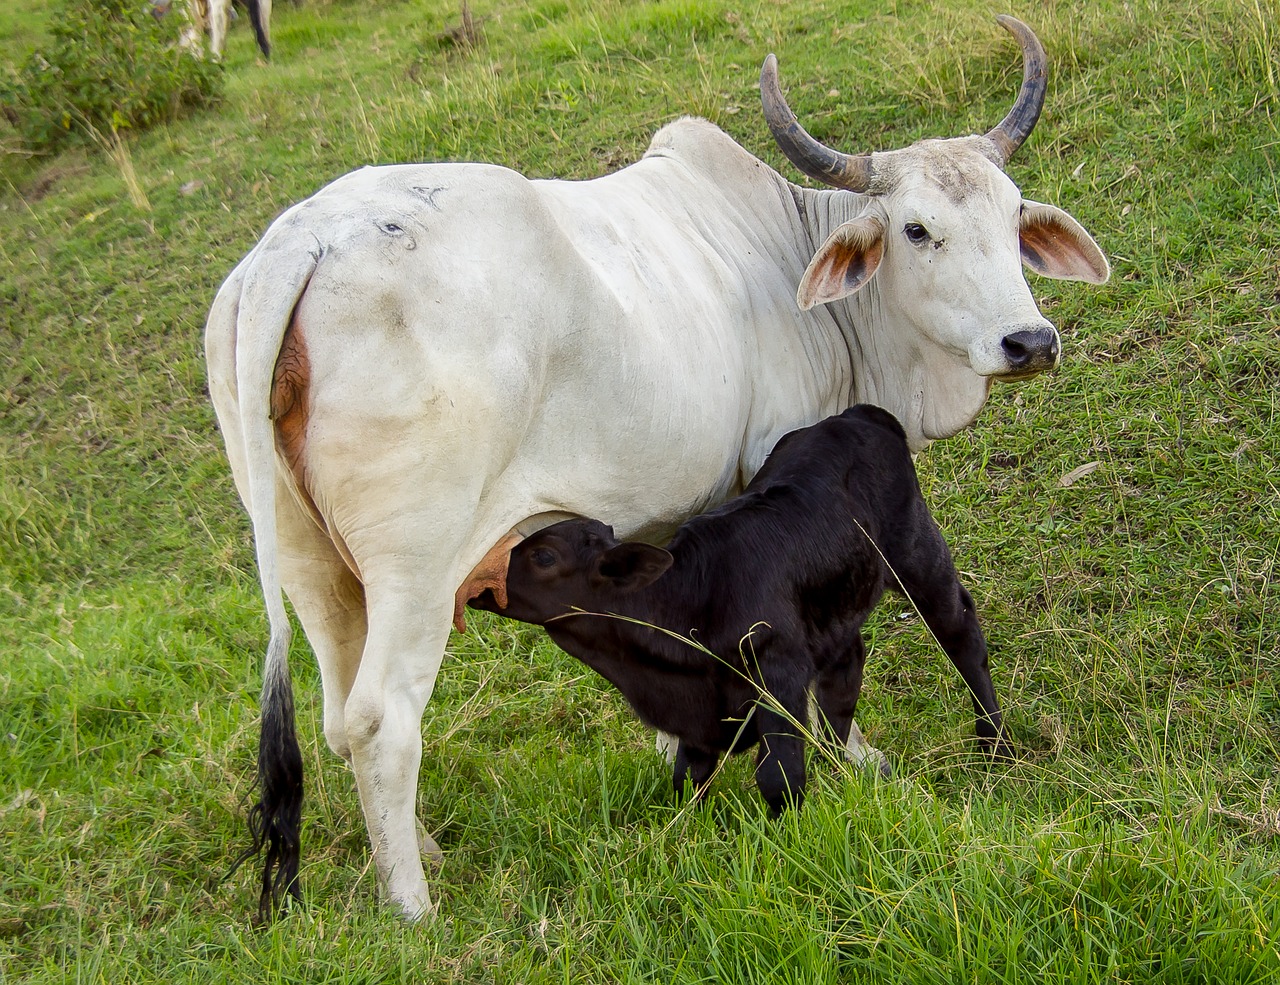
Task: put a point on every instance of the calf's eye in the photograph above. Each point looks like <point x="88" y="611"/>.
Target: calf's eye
<point x="543" y="558"/>
<point x="916" y="234"/>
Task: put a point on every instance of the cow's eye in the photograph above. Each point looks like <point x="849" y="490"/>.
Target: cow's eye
<point x="543" y="558"/>
<point x="916" y="234"/>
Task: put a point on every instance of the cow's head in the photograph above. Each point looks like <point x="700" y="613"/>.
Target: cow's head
<point x="945" y="231"/>
<point x="572" y="565"/>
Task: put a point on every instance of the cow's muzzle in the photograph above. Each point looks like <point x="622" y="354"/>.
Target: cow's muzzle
<point x="1030" y="351"/>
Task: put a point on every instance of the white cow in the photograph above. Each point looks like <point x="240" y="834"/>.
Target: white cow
<point x="214" y="18"/>
<point x="422" y="362"/>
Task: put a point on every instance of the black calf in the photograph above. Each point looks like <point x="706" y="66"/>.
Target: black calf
<point x="776" y="584"/>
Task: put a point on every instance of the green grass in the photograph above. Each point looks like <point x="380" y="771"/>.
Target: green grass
<point x="1133" y="612"/>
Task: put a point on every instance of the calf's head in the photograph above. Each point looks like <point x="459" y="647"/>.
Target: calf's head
<point x="573" y="565"/>
<point x="945" y="232"/>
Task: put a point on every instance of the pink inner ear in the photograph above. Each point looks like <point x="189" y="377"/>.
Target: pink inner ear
<point x="845" y="262"/>
<point x="1042" y="250"/>
<point x="1054" y="246"/>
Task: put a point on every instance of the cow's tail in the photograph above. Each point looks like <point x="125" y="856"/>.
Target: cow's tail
<point x="261" y="28"/>
<point x="274" y="283"/>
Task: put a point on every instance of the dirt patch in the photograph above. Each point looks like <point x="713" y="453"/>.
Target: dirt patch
<point x="46" y="180"/>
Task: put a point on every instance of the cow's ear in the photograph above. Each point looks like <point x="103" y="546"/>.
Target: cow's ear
<point x="632" y="566"/>
<point x="846" y="261"/>
<point x="1055" y="245"/>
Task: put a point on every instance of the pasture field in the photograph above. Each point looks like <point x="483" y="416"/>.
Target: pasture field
<point x="1116" y="522"/>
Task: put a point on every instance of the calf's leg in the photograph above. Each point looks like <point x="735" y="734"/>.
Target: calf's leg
<point x="836" y="692"/>
<point x="956" y="627"/>
<point x="836" y="689"/>
<point x="780" y="771"/>
<point x="949" y="612"/>
<point x="694" y="765"/>
<point x="780" y="716"/>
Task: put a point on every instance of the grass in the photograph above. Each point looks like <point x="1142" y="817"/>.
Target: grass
<point x="1116" y="522"/>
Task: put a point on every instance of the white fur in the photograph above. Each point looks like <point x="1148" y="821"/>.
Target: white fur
<point x="211" y="17"/>
<point x="489" y="353"/>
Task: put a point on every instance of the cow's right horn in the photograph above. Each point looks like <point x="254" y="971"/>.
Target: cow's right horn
<point x="818" y="161"/>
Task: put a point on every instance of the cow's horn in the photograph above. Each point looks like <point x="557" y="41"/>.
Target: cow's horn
<point x="850" y="171"/>
<point x="1016" y="127"/>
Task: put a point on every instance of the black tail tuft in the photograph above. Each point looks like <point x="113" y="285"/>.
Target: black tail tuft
<point x="275" y="821"/>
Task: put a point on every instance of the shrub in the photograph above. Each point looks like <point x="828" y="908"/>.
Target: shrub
<point x="109" y="65"/>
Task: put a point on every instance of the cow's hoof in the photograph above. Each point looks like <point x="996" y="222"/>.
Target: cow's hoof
<point x="879" y="762"/>
<point x="413" y="907"/>
<point x="427" y="845"/>
<point x="665" y="745"/>
<point x="860" y="752"/>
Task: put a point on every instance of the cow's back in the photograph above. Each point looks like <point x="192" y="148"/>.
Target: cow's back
<point x="607" y="347"/>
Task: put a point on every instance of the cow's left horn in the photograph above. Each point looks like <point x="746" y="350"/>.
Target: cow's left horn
<point x="1016" y="127"/>
<point x="818" y="161"/>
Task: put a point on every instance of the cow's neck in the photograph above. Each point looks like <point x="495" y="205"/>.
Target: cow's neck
<point x="892" y="365"/>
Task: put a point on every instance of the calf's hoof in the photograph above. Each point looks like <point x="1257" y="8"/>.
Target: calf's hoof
<point x="1000" y="750"/>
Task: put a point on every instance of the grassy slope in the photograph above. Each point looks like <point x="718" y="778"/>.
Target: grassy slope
<point x="1132" y="612"/>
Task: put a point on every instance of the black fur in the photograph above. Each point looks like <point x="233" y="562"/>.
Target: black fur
<point x="275" y="821"/>
<point x="776" y="584"/>
<point x="259" y="31"/>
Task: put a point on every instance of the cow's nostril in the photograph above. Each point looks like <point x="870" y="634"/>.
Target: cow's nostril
<point x="1033" y="349"/>
<point x="1015" y="351"/>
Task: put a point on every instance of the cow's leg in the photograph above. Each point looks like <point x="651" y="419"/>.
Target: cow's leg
<point x="666" y="744"/>
<point x="330" y="603"/>
<point x="219" y="19"/>
<point x="264" y="18"/>
<point x="949" y="612"/>
<point x="409" y="618"/>
<point x="694" y="765"/>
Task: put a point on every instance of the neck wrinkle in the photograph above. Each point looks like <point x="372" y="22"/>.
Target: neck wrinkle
<point x="821" y="211"/>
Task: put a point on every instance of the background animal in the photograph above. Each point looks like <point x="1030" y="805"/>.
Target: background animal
<point x="719" y="638"/>
<point x="421" y="363"/>
<point x="213" y="17"/>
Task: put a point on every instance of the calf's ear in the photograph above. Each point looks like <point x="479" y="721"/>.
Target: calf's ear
<point x="1054" y="245"/>
<point x="632" y="566"/>
<point x="844" y="263"/>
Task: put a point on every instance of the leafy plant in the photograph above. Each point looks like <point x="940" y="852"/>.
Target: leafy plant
<point x="107" y="66"/>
